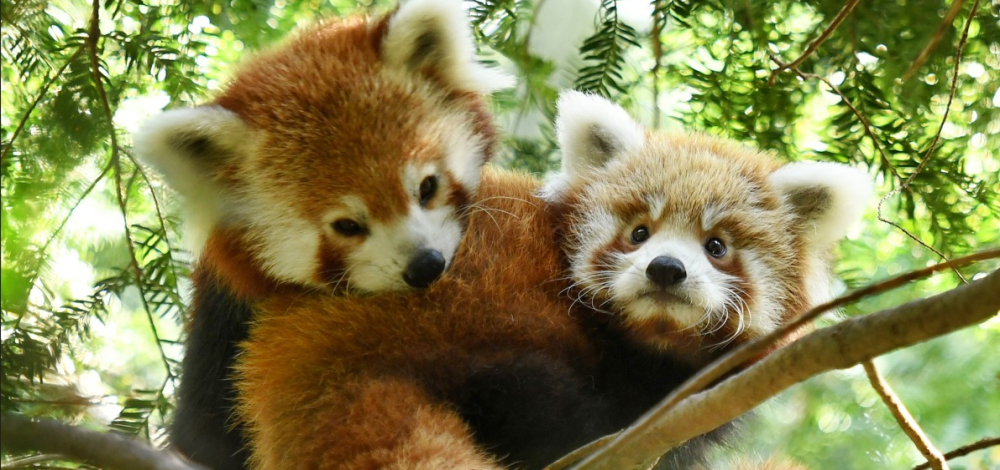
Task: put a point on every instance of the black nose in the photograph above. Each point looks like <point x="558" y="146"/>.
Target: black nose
<point x="424" y="268"/>
<point x="666" y="271"/>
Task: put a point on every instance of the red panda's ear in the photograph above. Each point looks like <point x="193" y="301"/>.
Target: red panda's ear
<point x="592" y="131"/>
<point x="432" y="37"/>
<point x="825" y="198"/>
<point x="195" y="150"/>
<point x="192" y="147"/>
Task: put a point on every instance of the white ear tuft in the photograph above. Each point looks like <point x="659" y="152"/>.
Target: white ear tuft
<point x="433" y="35"/>
<point x="190" y="147"/>
<point x="828" y="198"/>
<point x="592" y="131"/>
<point x="187" y="146"/>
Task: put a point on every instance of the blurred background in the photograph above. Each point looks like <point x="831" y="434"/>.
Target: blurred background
<point x="95" y="266"/>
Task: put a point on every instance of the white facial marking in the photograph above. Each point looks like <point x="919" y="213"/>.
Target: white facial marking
<point x="464" y="155"/>
<point x="287" y="244"/>
<point x="765" y="308"/>
<point x="379" y="264"/>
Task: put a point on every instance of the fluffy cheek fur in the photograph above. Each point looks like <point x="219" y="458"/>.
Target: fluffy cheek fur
<point x="721" y="299"/>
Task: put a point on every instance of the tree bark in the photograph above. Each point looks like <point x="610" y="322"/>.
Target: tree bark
<point x="837" y="347"/>
<point x="105" y="450"/>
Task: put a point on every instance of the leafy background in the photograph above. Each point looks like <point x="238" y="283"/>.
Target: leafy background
<point x="94" y="270"/>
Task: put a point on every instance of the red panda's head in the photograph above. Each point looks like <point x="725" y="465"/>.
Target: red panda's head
<point x="696" y="241"/>
<point x="346" y="155"/>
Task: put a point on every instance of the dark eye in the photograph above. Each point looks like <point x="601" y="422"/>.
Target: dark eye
<point x="715" y="247"/>
<point x="640" y="234"/>
<point x="428" y="187"/>
<point x="348" y="227"/>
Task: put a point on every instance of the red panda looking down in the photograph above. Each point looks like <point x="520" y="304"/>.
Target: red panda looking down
<point x="341" y="157"/>
<point x="342" y="160"/>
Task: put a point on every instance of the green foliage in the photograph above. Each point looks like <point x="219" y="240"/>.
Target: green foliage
<point x="91" y="248"/>
<point x="604" y="53"/>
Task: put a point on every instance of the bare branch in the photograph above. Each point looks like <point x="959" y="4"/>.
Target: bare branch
<point x="106" y="450"/>
<point x="965" y="450"/>
<point x="904" y="418"/>
<point x="926" y="52"/>
<point x="730" y="362"/>
<point x="836" y="347"/>
<point x="841" y="16"/>
<point x="579" y="453"/>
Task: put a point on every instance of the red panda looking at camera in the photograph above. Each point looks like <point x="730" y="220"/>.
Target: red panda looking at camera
<point x="494" y="366"/>
<point x="694" y="243"/>
<point x="342" y="160"/>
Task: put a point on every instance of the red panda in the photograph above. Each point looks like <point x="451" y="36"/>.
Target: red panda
<point x="341" y="161"/>
<point x="495" y="365"/>
<point x="694" y="243"/>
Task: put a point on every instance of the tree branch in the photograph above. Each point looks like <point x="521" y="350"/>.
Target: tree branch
<point x="965" y="450"/>
<point x="904" y="418"/>
<point x="105" y="450"/>
<point x="728" y="363"/>
<point x="836" y="347"/>
<point x="924" y="54"/>
<point x="841" y="16"/>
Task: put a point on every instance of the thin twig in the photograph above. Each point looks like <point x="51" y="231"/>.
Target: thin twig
<point x="837" y="347"/>
<point x="904" y="418"/>
<point x="41" y="94"/>
<point x="59" y="228"/>
<point x="965" y="450"/>
<point x="731" y="361"/>
<point x="924" y="54"/>
<point x="861" y="117"/>
<point x="94" y="34"/>
<point x="937" y="137"/>
<point x="175" y="293"/>
<point x="658" y="22"/>
<point x="841" y="16"/>
<point x="885" y="158"/>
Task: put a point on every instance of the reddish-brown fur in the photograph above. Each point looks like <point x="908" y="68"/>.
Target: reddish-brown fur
<point x="693" y="172"/>
<point x="337" y="384"/>
<point x="324" y="127"/>
<point x="324" y="93"/>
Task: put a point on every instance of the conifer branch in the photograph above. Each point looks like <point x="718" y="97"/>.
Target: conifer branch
<point x="934" y="142"/>
<point x="659" y="21"/>
<point x="904" y="418"/>
<point x="162" y="221"/>
<point x="31" y="108"/>
<point x="823" y="36"/>
<point x="55" y="233"/>
<point x="837" y="347"/>
<point x="885" y="158"/>
<point x="861" y="117"/>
